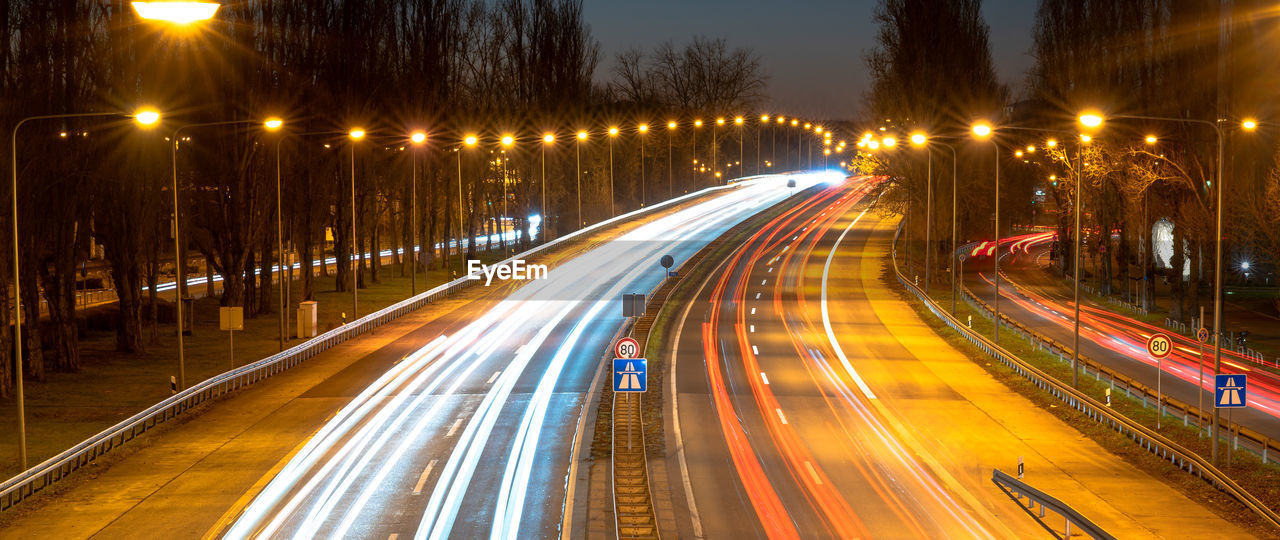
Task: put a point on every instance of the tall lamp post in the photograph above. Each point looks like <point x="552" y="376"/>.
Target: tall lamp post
<point x="1247" y="125"/>
<point x="642" y="130"/>
<point x="613" y="133"/>
<point x="764" y="122"/>
<point x="982" y="131"/>
<point x="145" y="118"/>
<point x="355" y="135"/>
<point x="417" y="139"/>
<point x="697" y="124"/>
<point x="715" y="160"/>
<point x="741" y="123"/>
<point x="582" y="136"/>
<point x="671" y="165"/>
<point x="275" y="124"/>
<point x="470" y="141"/>
<point x="548" y="139"/>
<point x="508" y="141"/>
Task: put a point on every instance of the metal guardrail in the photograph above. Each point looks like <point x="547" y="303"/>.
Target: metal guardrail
<point x="52" y="470"/>
<point x="1155" y="443"/>
<point x="1017" y="489"/>
<point x="1253" y="441"/>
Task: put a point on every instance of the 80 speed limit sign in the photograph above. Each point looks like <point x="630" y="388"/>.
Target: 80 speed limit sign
<point x="626" y="348"/>
<point x="1159" y="345"/>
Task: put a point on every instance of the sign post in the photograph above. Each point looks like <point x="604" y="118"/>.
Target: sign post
<point x="231" y="319"/>
<point x="1159" y="346"/>
<point x="1202" y="336"/>
<point x="1230" y="392"/>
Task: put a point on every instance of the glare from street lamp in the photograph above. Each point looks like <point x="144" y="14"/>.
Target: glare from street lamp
<point x="1151" y="139"/>
<point x="176" y="12"/>
<point x="889" y="142"/>
<point x="147" y="117"/>
<point x="418" y="137"/>
<point x="982" y="130"/>
<point x="273" y="124"/>
<point x="643" y="128"/>
<point x="470" y="140"/>
<point x="794" y="122"/>
<point x="582" y="135"/>
<point x="1086" y="138"/>
<point x="764" y="118"/>
<point x="548" y="138"/>
<point x="1031" y="149"/>
<point x="356" y="134"/>
<point x="919" y="139"/>
<point x="508" y="140"/>
<point x="1052" y="143"/>
<point x="671" y="124"/>
<point x="1249" y="124"/>
<point x="1091" y="120"/>
<point x="719" y="121"/>
<point x="697" y="123"/>
<point x="738" y="120"/>
<point x="613" y="132"/>
<point x="1018" y="153"/>
<point x="873" y="145"/>
<point x="782" y="119"/>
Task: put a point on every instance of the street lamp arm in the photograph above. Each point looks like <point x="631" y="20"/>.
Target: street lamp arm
<point x="1216" y="128"/>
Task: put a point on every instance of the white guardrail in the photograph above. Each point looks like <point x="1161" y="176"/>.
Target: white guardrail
<point x="35" y="479"/>
<point x="1155" y="443"/>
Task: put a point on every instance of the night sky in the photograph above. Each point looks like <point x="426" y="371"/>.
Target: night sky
<point x="811" y="49"/>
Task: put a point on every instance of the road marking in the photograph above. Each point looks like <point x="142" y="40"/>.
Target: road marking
<point x="494" y="377"/>
<point x="763" y="281"/>
<point x="826" y="315"/>
<point x="753" y="311"/>
<point x="753" y="329"/>
<point x="757" y="296"/>
<point x="813" y="473"/>
<point x="764" y="377"/>
<point x="770" y="269"/>
<point x="783" y="418"/>
<point x="754" y="350"/>
<point x="453" y="429"/>
<point x="422" y="480"/>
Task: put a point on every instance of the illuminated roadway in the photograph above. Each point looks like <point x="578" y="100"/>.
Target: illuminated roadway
<point x="1118" y="341"/>
<point x="471" y="436"/>
<point x="810" y="402"/>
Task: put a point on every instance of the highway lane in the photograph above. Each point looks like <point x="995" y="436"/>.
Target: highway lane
<point x="808" y="409"/>
<point x="471" y="435"/>
<point x="1120" y="342"/>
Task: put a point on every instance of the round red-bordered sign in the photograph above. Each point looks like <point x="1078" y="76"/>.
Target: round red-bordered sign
<point x="626" y="348"/>
<point x="1159" y="345"/>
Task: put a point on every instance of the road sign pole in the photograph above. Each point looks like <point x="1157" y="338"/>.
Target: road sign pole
<point x="628" y="421"/>
<point x="1200" y="333"/>
<point x="1159" y="391"/>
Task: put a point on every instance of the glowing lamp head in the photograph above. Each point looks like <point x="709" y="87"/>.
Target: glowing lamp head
<point x="826" y="152"/>
<point x="1051" y="143"/>
<point x="1018" y="153"/>
<point x="795" y="123"/>
<point x="470" y="140"/>
<point x="1151" y="139"/>
<point x="176" y="12"/>
<point x="919" y="139"/>
<point x="671" y="125"/>
<point x="873" y="145"/>
<point x="356" y="134"/>
<point x="613" y="132"/>
<point x="418" y="137"/>
<point x="548" y="138"/>
<point x="643" y="128"/>
<point x="782" y="120"/>
<point x="719" y="121"/>
<point x="697" y="123"/>
<point x="508" y="141"/>
<point x="1091" y="120"/>
<point x="1031" y="149"/>
<point x="808" y="125"/>
<point x="273" y="124"/>
<point x="982" y="130"/>
<point x="582" y="135"/>
<point x="1244" y="265"/>
<point x="147" y="117"/>
<point x="764" y="118"/>
<point x="1249" y="124"/>
<point x="889" y="142"/>
<point x="738" y="120"/>
<point x="1086" y="139"/>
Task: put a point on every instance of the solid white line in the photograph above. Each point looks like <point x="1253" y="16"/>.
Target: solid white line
<point x="782" y="417"/>
<point x="494" y="377"/>
<point x="454" y="428"/>
<point x="754" y="350"/>
<point x="813" y="473"/>
<point x="422" y="480"/>
<point x="764" y="377"/>
<point x="826" y="316"/>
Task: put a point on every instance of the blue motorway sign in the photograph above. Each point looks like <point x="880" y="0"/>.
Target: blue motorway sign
<point x="630" y="375"/>
<point x="1229" y="391"/>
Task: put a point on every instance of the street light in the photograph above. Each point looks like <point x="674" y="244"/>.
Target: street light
<point x="982" y="131"/>
<point x="507" y="142"/>
<point x="671" y="164"/>
<point x="548" y="139"/>
<point x="740" y="122"/>
<point x="146" y="118"/>
<point x="1151" y="139"/>
<point x="582" y="136"/>
<point x="356" y="135"/>
<point x="273" y="125"/>
<point x="417" y="139"/>
<point x="613" y="133"/>
<point x="470" y="141"/>
<point x="180" y="13"/>
<point x="642" y="129"/>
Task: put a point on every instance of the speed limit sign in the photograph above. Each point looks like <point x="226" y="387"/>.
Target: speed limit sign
<point x="626" y="348"/>
<point x="1159" y="345"/>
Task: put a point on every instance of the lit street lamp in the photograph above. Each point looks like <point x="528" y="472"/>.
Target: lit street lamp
<point x="740" y="122"/>
<point x="417" y="139"/>
<point x="613" y="133"/>
<point x="982" y="131"/>
<point x="145" y="118"/>
<point x="469" y="141"/>
<point x="179" y="13"/>
<point x="547" y="140"/>
<point x="642" y="129"/>
<point x="671" y="166"/>
<point x="356" y="135"/>
<point x="582" y="136"/>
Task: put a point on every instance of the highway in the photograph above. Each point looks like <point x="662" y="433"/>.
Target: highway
<point x="1116" y="340"/>
<point x="811" y="402"/>
<point x="472" y="434"/>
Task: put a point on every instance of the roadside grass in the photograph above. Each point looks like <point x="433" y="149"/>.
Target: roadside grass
<point x="1247" y="469"/>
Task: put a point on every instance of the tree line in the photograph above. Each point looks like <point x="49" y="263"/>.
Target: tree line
<point x="1189" y="60"/>
<point x="451" y="68"/>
